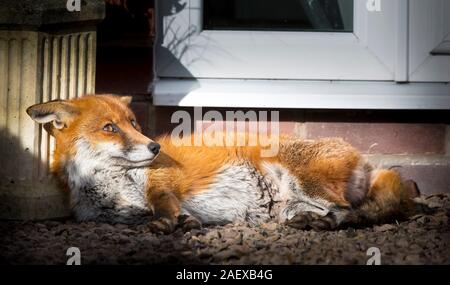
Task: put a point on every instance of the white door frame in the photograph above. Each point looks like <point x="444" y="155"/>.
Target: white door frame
<point x="366" y="54"/>
<point x="210" y="68"/>
<point x="429" y="41"/>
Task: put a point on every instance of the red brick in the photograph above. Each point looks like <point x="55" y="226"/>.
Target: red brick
<point x="283" y="127"/>
<point x="164" y="114"/>
<point x="447" y="141"/>
<point x="430" y="179"/>
<point x="384" y="138"/>
<point x="287" y="128"/>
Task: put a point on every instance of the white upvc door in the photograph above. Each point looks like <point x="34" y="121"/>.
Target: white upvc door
<point x="185" y="50"/>
<point x="396" y="57"/>
<point x="429" y="41"/>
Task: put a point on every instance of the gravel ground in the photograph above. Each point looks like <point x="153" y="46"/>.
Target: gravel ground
<point x="423" y="239"/>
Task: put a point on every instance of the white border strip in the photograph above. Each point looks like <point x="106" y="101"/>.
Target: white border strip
<point x="301" y="94"/>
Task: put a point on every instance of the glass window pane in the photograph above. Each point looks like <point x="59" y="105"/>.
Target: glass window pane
<point x="279" y="15"/>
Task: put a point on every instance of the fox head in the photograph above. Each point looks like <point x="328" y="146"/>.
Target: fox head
<point x="101" y="130"/>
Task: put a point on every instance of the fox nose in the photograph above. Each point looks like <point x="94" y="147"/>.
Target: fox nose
<point x="154" y="147"/>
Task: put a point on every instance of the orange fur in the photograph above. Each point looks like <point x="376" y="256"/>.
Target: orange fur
<point x="96" y="112"/>
<point x="188" y="170"/>
<point x="323" y="167"/>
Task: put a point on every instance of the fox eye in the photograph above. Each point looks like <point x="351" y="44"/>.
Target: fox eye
<point x="133" y="123"/>
<point x="110" y="128"/>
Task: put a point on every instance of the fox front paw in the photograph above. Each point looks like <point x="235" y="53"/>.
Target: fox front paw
<point x="166" y="225"/>
<point x="162" y="225"/>
<point x="188" y="223"/>
<point x="311" y="220"/>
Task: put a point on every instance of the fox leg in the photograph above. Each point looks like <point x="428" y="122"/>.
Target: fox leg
<point x="302" y="210"/>
<point x="167" y="213"/>
<point x="387" y="198"/>
<point x="315" y="213"/>
<point x="166" y="209"/>
<point x="313" y="220"/>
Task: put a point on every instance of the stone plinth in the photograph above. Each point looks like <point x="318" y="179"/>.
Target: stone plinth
<point x="46" y="53"/>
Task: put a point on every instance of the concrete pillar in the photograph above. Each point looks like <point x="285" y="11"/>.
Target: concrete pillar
<point x="46" y="53"/>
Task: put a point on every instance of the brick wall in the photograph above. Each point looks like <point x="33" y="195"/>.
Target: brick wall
<point x="415" y="143"/>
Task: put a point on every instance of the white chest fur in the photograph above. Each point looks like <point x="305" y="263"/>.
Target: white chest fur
<point x="104" y="192"/>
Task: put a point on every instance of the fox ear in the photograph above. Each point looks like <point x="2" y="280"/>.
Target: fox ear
<point x="126" y="99"/>
<point x="59" y="113"/>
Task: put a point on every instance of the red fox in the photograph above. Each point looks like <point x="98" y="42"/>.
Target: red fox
<point x="116" y="174"/>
